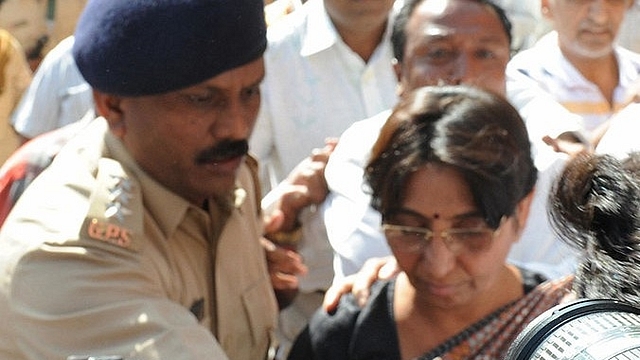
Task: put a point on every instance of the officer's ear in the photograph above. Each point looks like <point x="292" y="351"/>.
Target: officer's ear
<point x="108" y="106"/>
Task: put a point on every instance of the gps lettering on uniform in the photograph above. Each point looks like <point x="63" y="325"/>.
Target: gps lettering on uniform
<point x="110" y="233"/>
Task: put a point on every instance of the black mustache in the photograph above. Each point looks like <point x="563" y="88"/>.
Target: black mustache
<point x="225" y="150"/>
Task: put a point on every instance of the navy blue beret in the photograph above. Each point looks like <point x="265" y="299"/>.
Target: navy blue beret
<point x="147" y="47"/>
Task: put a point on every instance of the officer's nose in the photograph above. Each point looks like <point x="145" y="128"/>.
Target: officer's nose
<point x="233" y="122"/>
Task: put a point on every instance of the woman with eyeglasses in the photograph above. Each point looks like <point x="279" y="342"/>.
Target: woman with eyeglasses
<point x="452" y="176"/>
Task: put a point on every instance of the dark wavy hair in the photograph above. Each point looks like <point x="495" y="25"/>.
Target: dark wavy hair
<point x="399" y="31"/>
<point x="595" y="207"/>
<point x="473" y="131"/>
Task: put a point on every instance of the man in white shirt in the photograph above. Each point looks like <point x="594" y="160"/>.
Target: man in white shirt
<point x="328" y="64"/>
<point x="567" y="87"/>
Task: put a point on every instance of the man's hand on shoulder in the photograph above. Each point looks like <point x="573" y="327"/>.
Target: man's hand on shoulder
<point x="359" y="284"/>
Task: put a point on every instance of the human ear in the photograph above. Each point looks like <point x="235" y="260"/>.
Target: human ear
<point x="108" y="106"/>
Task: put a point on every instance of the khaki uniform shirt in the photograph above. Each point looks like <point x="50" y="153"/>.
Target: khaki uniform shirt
<point x="97" y="258"/>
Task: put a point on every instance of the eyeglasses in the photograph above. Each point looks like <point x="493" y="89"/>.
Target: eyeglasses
<point x="411" y="239"/>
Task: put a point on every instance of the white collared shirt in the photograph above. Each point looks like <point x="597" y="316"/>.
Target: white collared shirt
<point x="553" y="97"/>
<point x="315" y="87"/>
<point x="543" y="70"/>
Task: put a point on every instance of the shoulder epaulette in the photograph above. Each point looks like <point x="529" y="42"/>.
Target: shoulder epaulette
<point x="115" y="207"/>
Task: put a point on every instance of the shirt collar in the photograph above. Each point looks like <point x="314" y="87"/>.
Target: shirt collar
<point x="561" y="68"/>
<point x="629" y="66"/>
<point x="319" y="33"/>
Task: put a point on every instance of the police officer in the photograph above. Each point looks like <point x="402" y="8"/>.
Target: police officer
<point x="141" y="238"/>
